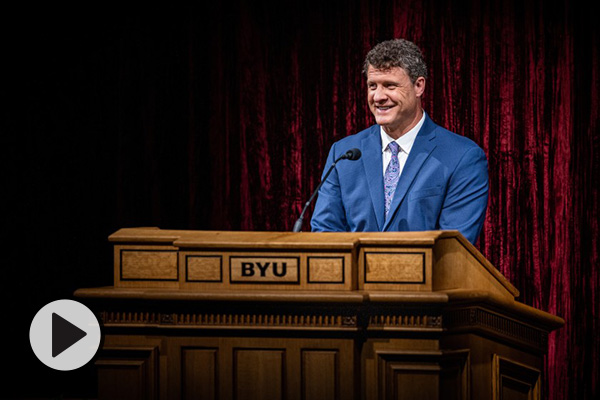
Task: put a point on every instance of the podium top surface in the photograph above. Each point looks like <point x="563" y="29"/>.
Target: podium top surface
<point x="183" y="238"/>
<point x="444" y="243"/>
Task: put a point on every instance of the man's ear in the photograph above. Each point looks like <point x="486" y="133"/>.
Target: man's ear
<point x="420" y="86"/>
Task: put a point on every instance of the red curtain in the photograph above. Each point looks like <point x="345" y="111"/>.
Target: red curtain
<point x="519" y="78"/>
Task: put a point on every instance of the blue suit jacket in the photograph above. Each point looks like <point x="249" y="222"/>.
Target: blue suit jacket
<point x="444" y="185"/>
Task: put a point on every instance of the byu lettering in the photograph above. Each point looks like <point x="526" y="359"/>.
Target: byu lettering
<point x="265" y="270"/>
<point x="248" y="268"/>
<point x="262" y="268"/>
<point x="283" y="269"/>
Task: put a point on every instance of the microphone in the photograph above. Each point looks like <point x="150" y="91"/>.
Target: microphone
<point x="352" y="155"/>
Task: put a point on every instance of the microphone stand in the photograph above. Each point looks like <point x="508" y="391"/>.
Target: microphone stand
<point x="353" y="154"/>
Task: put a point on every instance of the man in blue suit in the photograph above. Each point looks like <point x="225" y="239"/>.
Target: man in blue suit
<point x="413" y="174"/>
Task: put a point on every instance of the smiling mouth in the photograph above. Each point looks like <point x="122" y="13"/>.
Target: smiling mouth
<point x="383" y="108"/>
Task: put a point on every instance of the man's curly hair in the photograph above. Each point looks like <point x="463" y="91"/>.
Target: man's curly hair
<point x="397" y="53"/>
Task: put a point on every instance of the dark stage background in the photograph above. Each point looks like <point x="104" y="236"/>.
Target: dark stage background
<point x="220" y="116"/>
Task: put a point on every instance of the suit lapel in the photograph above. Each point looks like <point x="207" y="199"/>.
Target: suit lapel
<point x="373" y="169"/>
<point x="422" y="148"/>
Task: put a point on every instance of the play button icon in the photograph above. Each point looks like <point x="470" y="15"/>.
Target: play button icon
<point x="64" y="335"/>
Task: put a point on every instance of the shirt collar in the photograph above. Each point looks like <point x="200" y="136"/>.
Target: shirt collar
<point x="405" y="141"/>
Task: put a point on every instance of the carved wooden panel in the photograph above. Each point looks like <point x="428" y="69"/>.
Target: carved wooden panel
<point x="199" y="373"/>
<point x="128" y="373"/>
<point x="455" y="377"/>
<point x="320" y="374"/>
<point x="407" y="374"/>
<point x="395" y="269"/>
<point x="252" y="270"/>
<point x="409" y="381"/>
<point x="260" y="368"/>
<point x="149" y="264"/>
<point x="259" y="374"/>
<point x="204" y="268"/>
<point x="146" y="266"/>
<point x="326" y="270"/>
<point x="512" y="380"/>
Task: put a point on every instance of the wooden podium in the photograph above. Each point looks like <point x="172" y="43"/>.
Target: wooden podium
<point x="276" y="315"/>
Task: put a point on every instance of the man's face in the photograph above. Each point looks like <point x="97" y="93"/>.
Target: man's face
<point x="393" y="99"/>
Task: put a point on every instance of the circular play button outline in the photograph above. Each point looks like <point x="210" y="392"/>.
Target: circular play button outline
<point x="65" y="335"/>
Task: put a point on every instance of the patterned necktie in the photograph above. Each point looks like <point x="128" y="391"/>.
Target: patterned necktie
<point x="392" y="173"/>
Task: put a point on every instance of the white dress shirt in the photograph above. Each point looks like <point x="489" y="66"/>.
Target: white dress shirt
<point x="405" y="142"/>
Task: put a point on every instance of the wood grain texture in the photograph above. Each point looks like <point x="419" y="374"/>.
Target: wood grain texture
<point x="146" y="265"/>
<point x="199" y="380"/>
<point x="204" y="268"/>
<point x="394" y="267"/>
<point x="149" y="265"/>
<point x="320" y="375"/>
<point x="259" y="374"/>
<point x="325" y="269"/>
<point x="457" y="266"/>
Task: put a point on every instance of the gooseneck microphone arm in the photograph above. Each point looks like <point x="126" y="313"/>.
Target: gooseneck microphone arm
<point x="352" y="154"/>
